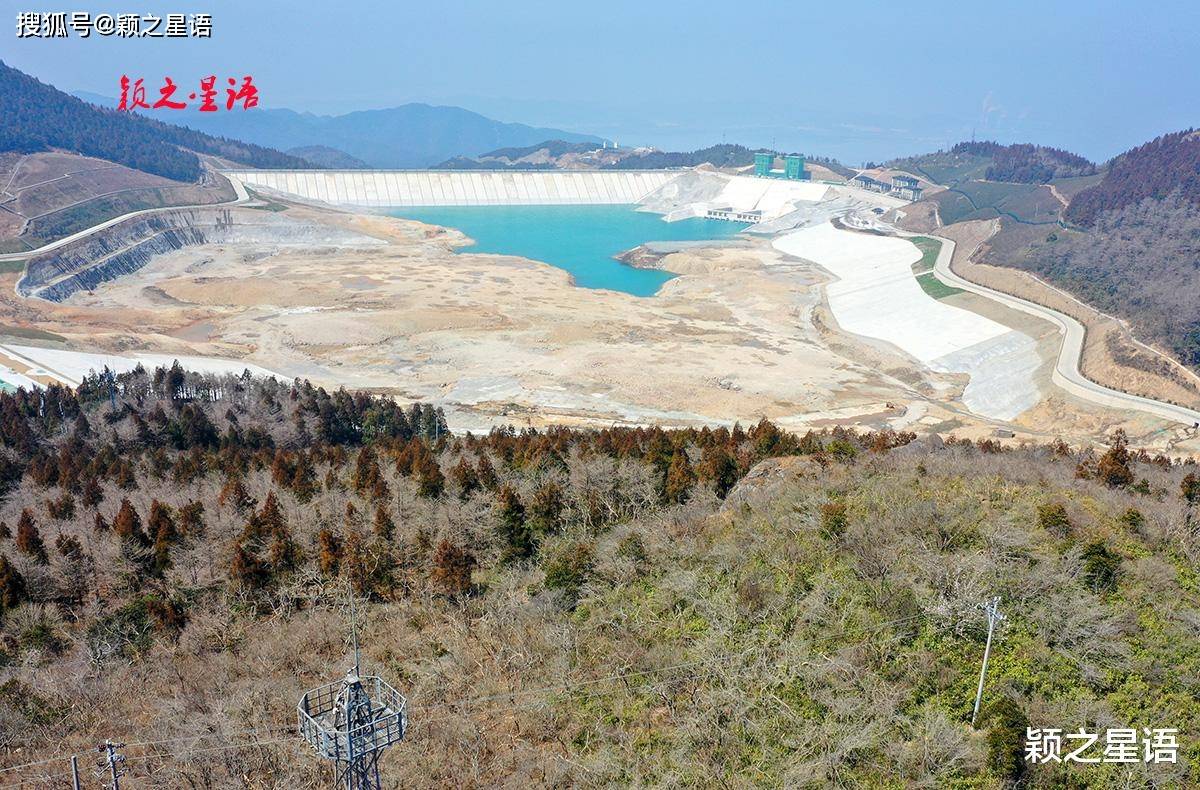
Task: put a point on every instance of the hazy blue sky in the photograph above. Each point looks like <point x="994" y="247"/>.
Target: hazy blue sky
<point x="855" y="80"/>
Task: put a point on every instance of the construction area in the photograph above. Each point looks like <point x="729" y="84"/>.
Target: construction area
<point x="812" y="317"/>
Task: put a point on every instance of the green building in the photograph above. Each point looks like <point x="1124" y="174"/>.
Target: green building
<point x="793" y="167"/>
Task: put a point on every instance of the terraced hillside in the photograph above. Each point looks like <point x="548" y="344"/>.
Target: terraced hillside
<point x="66" y="165"/>
<point x="46" y="196"/>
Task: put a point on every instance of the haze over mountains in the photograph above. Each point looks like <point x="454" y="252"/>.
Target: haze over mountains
<point x="37" y="117"/>
<point x="411" y="135"/>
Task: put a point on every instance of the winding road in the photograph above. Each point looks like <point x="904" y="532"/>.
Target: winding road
<point x="1066" y="372"/>
<point x="241" y="197"/>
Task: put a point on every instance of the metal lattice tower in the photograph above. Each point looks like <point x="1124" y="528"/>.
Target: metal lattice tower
<point x="351" y="722"/>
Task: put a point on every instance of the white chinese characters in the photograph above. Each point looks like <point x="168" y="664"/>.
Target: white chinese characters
<point x="60" y="24"/>
<point x="1120" y="745"/>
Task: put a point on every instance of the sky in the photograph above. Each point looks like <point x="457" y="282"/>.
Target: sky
<point x="857" y="81"/>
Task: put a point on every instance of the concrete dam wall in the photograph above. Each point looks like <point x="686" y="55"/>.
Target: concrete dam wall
<point x="460" y="188"/>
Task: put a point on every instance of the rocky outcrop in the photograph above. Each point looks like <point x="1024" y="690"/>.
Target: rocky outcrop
<point x="768" y="478"/>
<point x="128" y="246"/>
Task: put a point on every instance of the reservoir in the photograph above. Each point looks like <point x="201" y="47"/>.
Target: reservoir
<point x="581" y="240"/>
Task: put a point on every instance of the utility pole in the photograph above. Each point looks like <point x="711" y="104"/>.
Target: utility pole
<point x="992" y="608"/>
<point x="74" y="772"/>
<point x="113" y="759"/>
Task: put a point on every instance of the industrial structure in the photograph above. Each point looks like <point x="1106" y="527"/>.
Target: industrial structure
<point x="901" y="186"/>
<point x="906" y="187"/>
<point x="351" y="722"/>
<point x="753" y="216"/>
<point x="793" y="167"/>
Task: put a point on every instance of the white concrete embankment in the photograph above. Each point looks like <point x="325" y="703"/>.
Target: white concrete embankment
<point x="877" y="296"/>
<point x="70" y="367"/>
<point x="460" y="188"/>
<point x="1066" y="369"/>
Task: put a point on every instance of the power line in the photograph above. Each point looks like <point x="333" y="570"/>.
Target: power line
<point x="206" y="750"/>
<point x="46" y="761"/>
<point x="144" y="757"/>
<point x="133" y="744"/>
<point x="461" y="702"/>
<point x="253" y="731"/>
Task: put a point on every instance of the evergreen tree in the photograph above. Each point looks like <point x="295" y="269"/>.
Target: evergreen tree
<point x="126" y="479"/>
<point x="93" y="494"/>
<point x="452" y="568"/>
<point x="329" y="555"/>
<point x="514" y="534"/>
<point x="268" y="521"/>
<point x="487" y="473"/>
<point x="304" y="481"/>
<point x="680" y="479"/>
<point x="546" y="509"/>
<point x="128" y="525"/>
<point x="29" y="539"/>
<point x="1113" y="468"/>
<point x="1189" y="489"/>
<point x="384" y="526"/>
<point x="234" y="494"/>
<point x="245" y="570"/>
<point x="191" y="519"/>
<point x="465" y="478"/>
<point x="162" y="522"/>
<point x="430" y="480"/>
<point x="12" y="586"/>
<point x="718" y="468"/>
<point x="1007" y="724"/>
<point x="284" y="555"/>
<point x="367" y="479"/>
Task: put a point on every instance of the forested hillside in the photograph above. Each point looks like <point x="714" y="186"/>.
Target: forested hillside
<point x="1023" y="163"/>
<point x="1127" y="245"/>
<point x="629" y="606"/>
<point x="1020" y="163"/>
<point x="723" y="155"/>
<point x="35" y="116"/>
<point x="1140" y="263"/>
<point x="1164" y="166"/>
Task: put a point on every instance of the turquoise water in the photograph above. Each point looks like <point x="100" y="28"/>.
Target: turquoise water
<point x="579" y="239"/>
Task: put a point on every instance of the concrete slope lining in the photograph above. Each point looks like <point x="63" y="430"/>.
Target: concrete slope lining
<point x="460" y="188"/>
<point x="1066" y="373"/>
<point x="71" y="367"/>
<point x="877" y="296"/>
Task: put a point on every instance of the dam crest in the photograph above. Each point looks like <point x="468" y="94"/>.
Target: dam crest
<point x="398" y="188"/>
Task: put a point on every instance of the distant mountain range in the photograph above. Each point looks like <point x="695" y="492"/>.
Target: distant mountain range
<point x="564" y="155"/>
<point x="35" y="116"/>
<point x="411" y="135"/>
<point x="324" y="156"/>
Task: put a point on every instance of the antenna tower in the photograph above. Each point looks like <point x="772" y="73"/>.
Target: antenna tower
<point x="352" y="721"/>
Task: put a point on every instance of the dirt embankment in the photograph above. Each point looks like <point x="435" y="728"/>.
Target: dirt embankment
<point x="1111" y="355"/>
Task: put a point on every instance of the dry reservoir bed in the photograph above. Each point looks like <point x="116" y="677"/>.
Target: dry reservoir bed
<point x="743" y="333"/>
